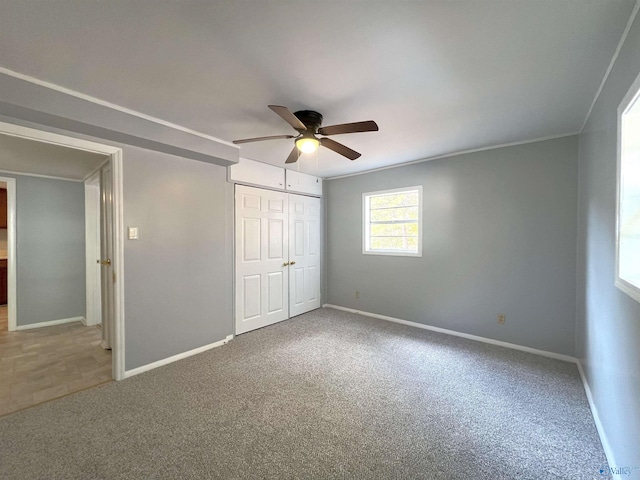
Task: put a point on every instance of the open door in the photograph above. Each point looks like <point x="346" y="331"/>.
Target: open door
<point x="106" y="253"/>
<point x="93" y="315"/>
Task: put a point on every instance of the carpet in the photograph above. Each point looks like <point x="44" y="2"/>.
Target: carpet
<point x="328" y="394"/>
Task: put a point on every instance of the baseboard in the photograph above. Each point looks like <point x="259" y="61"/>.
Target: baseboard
<point x="514" y="346"/>
<point x="175" y="358"/>
<point x="51" y="323"/>
<point x="608" y="451"/>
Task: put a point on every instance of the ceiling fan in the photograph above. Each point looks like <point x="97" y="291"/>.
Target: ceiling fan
<point x="308" y="124"/>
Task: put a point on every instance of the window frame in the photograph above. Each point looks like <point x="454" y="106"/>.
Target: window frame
<point x="366" y="223"/>
<point x="630" y="100"/>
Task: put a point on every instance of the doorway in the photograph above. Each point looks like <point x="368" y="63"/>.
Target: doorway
<point x="50" y="352"/>
<point x="116" y="260"/>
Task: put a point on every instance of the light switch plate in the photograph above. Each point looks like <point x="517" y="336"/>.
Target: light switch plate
<point x="133" y="233"/>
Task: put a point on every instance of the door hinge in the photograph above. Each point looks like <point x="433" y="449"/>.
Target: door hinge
<point x="114" y="277"/>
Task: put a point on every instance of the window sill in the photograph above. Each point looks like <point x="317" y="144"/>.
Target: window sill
<point x="393" y="254"/>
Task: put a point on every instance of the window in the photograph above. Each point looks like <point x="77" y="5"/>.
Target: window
<point x="628" y="225"/>
<point x="392" y="221"/>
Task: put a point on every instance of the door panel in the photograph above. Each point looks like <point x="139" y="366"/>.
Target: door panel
<point x="251" y="236"/>
<point x="304" y="250"/>
<point x="297" y="292"/>
<point x="314" y="238"/>
<point x="275" y="238"/>
<point x="298" y="237"/>
<point x="276" y="292"/>
<point x="251" y="202"/>
<point x="313" y="286"/>
<point x="262" y="237"/>
<point x="251" y="294"/>
<point x="276" y="205"/>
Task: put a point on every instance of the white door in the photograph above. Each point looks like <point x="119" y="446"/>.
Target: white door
<point x="106" y="247"/>
<point x="262" y="272"/>
<point x="92" y="207"/>
<point x="304" y="254"/>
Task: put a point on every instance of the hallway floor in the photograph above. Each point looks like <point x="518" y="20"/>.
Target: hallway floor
<point x="45" y="363"/>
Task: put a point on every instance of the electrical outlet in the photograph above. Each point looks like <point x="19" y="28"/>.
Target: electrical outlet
<point x="501" y="318"/>
<point x="357" y="294"/>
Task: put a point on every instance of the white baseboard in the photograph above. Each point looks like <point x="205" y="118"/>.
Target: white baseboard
<point x="51" y="323"/>
<point x="175" y="358"/>
<point x="608" y="451"/>
<point x="514" y="346"/>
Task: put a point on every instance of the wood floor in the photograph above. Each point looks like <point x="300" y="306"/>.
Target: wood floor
<point x="45" y="363"/>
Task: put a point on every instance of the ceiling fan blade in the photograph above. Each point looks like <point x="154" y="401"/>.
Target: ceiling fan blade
<point x="294" y="155"/>
<point x="288" y="117"/>
<point x="259" y="139"/>
<point x="356" y="127"/>
<point x="339" y="148"/>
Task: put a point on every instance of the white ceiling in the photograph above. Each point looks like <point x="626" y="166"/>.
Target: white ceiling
<point x="438" y="76"/>
<point x="21" y="155"/>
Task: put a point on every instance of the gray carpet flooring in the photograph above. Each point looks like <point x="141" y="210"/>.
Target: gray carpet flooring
<point x="325" y="395"/>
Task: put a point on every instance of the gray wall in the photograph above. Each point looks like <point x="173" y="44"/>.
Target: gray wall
<point x="178" y="276"/>
<point x="50" y="249"/>
<point x="608" y="321"/>
<point x="499" y="237"/>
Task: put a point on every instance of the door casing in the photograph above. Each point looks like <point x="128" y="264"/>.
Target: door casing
<point x="12" y="323"/>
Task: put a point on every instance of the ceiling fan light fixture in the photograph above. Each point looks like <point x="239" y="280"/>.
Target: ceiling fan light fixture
<point x="307" y="144"/>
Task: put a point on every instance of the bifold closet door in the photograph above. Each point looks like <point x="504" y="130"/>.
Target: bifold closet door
<point x="262" y="273"/>
<point x="304" y="254"/>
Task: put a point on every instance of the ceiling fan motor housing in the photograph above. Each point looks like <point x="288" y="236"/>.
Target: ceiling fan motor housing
<point x="310" y="118"/>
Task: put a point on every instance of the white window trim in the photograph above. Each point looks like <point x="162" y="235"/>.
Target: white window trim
<point x="632" y="95"/>
<point x="365" y="223"/>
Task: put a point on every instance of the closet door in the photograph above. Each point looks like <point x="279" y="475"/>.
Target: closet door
<point x="262" y="274"/>
<point x="304" y="254"/>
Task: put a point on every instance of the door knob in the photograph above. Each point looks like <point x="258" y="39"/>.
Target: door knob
<point x="285" y="264"/>
<point x="292" y="263"/>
